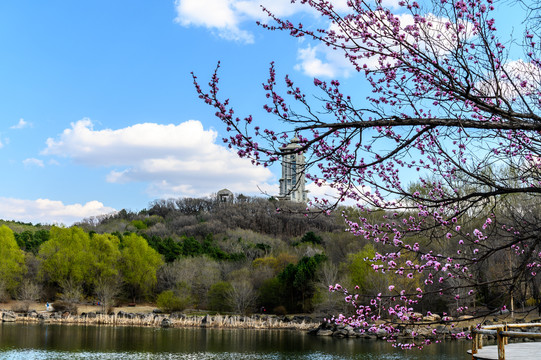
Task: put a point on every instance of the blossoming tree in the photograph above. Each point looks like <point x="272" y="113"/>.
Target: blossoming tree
<point x="447" y="109"/>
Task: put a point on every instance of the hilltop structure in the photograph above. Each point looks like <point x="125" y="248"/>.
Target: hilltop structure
<point x="225" y="196"/>
<point x="293" y="181"/>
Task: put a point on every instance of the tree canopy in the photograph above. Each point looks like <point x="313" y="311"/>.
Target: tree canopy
<point x="139" y="264"/>
<point x="66" y="256"/>
<point x="449" y="112"/>
<point x="12" y="266"/>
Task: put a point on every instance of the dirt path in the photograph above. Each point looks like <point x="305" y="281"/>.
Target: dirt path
<point x="84" y="308"/>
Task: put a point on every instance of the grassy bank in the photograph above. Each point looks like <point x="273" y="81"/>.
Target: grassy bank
<point x="143" y="315"/>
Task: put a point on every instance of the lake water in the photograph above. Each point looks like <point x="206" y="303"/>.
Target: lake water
<point x="18" y="341"/>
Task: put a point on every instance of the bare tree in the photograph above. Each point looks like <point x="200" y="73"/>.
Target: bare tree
<point x="72" y="291"/>
<point x="28" y="292"/>
<point x="329" y="303"/>
<point x="106" y="290"/>
<point x="448" y="136"/>
<point x="242" y="296"/>
<point x="200" y="273"/>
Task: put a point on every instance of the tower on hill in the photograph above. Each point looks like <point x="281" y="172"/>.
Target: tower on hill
<point x="293" y="182"/>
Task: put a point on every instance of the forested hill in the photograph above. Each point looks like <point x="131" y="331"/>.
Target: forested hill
<point x="212" y="253"/>
<point x="244" y="256"/>
<point x="200" y="217"/>
<point x="248" y="228"/>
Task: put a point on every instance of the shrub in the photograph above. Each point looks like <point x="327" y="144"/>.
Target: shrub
<point x="311" y="237"/>
<point x="217" y="296"/>
<point x="139" y="225"/>
<point x="270" y="293"/>
<point x="62" y="306"/>
<point x="168" y="301"/>
<point x="21" y="307"/>
<point x="280" y="310"/>
<point x="4" y="295"/>
<point x="28" y="292"/>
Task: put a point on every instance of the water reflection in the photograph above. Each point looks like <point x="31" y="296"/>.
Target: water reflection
<point x="19" y="341"/>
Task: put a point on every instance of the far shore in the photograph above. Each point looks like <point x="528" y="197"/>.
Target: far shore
<point x="145" y="314"/>
<point x="143" y="308"/>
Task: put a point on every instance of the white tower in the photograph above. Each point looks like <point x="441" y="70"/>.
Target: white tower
<point x="292" y="183"/>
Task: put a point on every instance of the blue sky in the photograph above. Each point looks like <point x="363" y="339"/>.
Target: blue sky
<point x="98" y="111"/>
<point x="97" y="107"/>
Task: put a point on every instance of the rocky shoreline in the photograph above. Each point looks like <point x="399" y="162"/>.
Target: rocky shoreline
<point x="432" y="332"/>
<point x="420" y="332"/>
<point x="313" y="326"/>
<point x="122" y="318"/>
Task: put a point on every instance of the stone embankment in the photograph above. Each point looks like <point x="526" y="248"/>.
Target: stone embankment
<point x="164" y="320"/>
<point x="437" y="332"/>
<point x="431" y="331"/>
<point x="303" y="323"/>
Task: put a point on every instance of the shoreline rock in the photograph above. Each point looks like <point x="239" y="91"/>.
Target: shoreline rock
<point x="313" y="326"/>
<point x="122" y="318"/>
<point x="441" y="332"/>
<point x="433" y="332"/>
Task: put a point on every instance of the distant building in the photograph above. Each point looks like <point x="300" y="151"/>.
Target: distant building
<point x="225" y="196"/>
<point x="293" y="182"/>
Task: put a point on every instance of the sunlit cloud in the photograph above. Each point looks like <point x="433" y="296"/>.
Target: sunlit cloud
<point x="21" y="124"/>
<point x="322" y="62"/>
<point x="320" y="192"/>
<point x="47" y="211"/>
<point x="174" y="160"/>
<point x="33" y="162"/>
<point x="229" y="18"/>
<point x="326" y="62"/>
<point x="514" y="78"/>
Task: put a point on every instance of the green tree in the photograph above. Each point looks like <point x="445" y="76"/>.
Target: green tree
<point x="67" y="256"/>
<point x="217" y="296"/>
<point x="105" y="248"/>
<point x="12" y="266"/>
<point x="311" y="237"/>
<point x="191" y="247"/>
<point x="169" y="248"/>
<point x="271" y="294"/>
<point x="298" y="282"/>
<point x="30" y="241"/>
<point x="210" y="249"/>
<point x="174" y="300"/>
<point x="360" y="269"/>
<point x="139" y="263"/>
<point x="139" y="224"/>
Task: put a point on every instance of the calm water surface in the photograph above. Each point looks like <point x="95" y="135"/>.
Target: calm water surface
<point x="19" y="342"/>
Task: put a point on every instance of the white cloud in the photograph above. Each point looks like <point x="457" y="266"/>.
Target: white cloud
<point x="175" y="160"/>
<point x="324" y="61"/>
<point x="331" y="194"/>
<point x="47" y="211"/>
<point x="226" y="17"/>
<point x="21" y="124"/>
<point x="514" y="78"/>
<point x="3" y="141"/>
<point x="219" y="15"/>
<point x="33" y="162"/>
<point x="334" y="65"/>
<point x="393" y="4"/>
